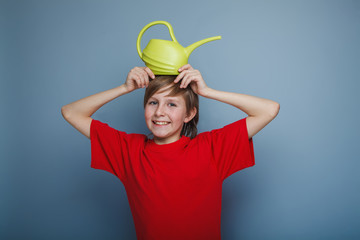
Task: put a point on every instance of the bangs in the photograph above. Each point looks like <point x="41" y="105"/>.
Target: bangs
<point x="162" y="84"/>
<point x="175" y="90"/>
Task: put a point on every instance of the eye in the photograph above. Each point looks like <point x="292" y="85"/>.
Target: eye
<point x="152" y="103"/>
<point x="172" y="104"/>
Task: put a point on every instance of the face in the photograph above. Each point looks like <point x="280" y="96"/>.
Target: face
<point x="165" y="116"/>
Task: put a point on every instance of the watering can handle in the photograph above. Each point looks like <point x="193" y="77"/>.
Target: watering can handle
<point x="149" y="25"/>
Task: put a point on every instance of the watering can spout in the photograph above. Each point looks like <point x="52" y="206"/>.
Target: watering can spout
<point x="192" y="47"/>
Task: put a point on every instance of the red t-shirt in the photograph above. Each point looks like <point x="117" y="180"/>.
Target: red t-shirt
<point x="174" y="190"/>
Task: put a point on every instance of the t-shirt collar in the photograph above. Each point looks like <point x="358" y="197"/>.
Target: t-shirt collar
<point x="177" y="145"/>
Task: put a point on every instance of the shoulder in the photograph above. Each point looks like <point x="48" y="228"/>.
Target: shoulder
<point x="234" y="126"/>
<point x="227" y="134"/>
<point x="103" y="128"/>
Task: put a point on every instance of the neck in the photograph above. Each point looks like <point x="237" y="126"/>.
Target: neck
<point x="162" y="141"/>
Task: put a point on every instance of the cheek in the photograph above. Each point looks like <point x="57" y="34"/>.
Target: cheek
<point x="179" y="115"/>
<point x="147" y="113"/>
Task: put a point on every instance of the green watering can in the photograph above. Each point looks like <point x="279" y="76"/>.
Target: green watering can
<point x="165" y="57"/>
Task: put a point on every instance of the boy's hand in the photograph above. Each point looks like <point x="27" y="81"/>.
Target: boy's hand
<point x="191" y="76"/>
<point x="138" y="77"/>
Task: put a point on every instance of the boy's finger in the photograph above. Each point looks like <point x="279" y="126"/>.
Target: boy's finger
<point x="144" y="81"/>
<point x="185" y="82"/>
<point x="147" y="82"/>
<point x="141" y="79"/>
<point x="143" y="76"/>
<point x="185" y="67"/>
<point x="138" y="81"/>
<point x="149" y="72"/>
<point x="180" y="76"/>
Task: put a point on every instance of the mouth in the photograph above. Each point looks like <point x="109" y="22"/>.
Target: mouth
<point x="161" y="123"/>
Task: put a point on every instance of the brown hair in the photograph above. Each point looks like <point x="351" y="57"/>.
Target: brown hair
<point x="189" y="129"/>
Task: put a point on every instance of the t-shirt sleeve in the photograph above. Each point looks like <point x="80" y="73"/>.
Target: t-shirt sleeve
<point x="232" y="148"/>
<point x="109" y="149"/>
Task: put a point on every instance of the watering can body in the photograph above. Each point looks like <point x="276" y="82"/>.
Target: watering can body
<point x="165" y="57"/>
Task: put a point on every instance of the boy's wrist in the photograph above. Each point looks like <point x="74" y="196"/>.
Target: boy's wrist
<point x="206" y="92"/>
<point x="125" y="89"/>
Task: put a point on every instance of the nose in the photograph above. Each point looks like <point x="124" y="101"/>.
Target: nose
<point x="160" y="111"/>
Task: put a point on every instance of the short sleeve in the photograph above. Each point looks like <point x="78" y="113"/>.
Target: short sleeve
<point x="109" y="149"/>
<point x="232" y="148"/>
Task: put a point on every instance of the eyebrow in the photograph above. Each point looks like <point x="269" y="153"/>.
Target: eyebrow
<point x="175" y="99"/>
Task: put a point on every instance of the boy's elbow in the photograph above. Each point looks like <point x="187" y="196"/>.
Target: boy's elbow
<point x="65" y="112"/>
<point x="275" y="108"/>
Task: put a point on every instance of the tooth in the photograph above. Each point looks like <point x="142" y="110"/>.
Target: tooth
<point x="161" y="123"/>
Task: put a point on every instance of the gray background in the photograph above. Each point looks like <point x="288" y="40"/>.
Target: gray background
<point x="302" y="54"/>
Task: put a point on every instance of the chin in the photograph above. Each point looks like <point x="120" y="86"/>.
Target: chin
<point x="161" y="136"/>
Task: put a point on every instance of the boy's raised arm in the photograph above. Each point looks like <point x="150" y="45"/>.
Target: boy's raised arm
<point x="260" y="111"/>
<point x="79" y="113"/>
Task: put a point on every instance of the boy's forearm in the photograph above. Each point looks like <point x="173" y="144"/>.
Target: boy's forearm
<point x="251" y="105"/>
<point x="89" y="105"/>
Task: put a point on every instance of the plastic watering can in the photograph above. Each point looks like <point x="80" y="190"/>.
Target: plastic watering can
<point x="165" y="57"/>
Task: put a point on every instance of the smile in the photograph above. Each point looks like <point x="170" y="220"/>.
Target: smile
<point x="160" y="123"/>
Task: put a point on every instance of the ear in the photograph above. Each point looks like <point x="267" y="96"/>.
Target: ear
<point x="191" y="115"/>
